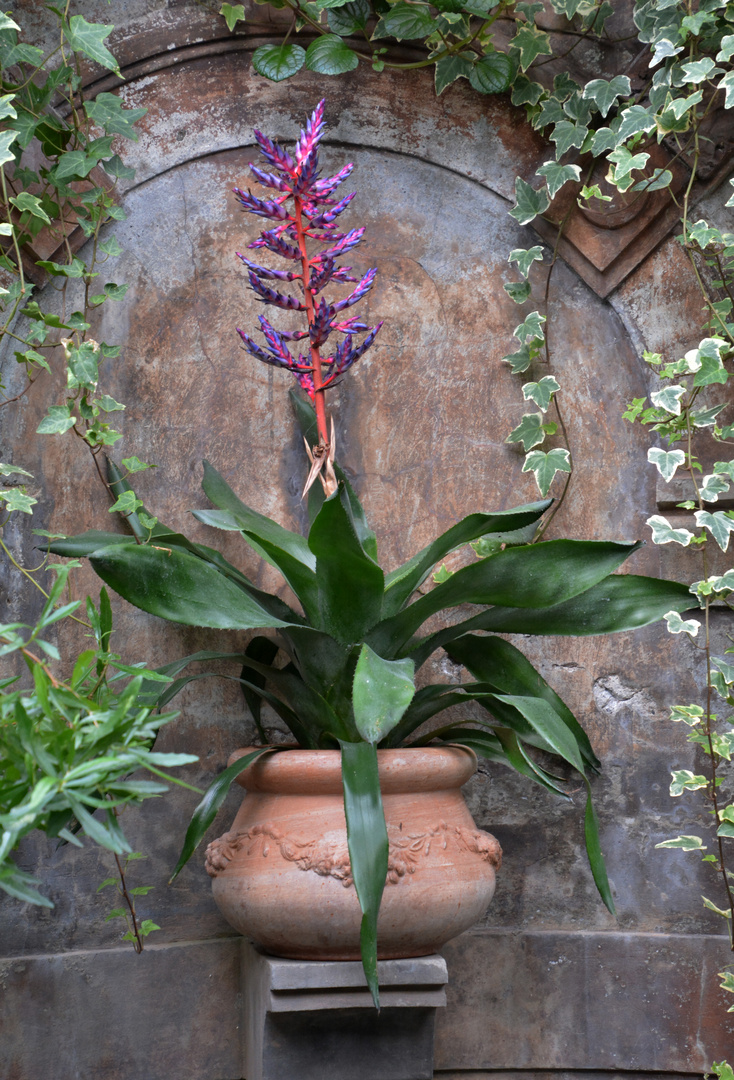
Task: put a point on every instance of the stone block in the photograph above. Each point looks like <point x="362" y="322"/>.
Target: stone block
<point x="313" y="1020"/>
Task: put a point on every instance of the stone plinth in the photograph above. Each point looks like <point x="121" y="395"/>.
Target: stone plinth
<point x="314" y="1020"/>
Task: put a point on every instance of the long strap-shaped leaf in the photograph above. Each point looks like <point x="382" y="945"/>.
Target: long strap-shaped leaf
<point x="400" y="584"/>
<point x="501" y="745"/>
<point x="546" y="722"/>
<point x="351" y="584"/>
<point x="619" y="602"/>
<point x="263" y="528"/>
<point x="206" y="811"/>
<point x="368" y="846"/>
<point x="179" y="587"/>
<point x="496" y="662"/>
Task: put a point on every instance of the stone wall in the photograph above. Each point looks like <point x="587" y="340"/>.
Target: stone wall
<point x="549" y="982"/>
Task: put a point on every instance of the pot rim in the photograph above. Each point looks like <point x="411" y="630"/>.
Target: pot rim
<point x="407" y="769"/>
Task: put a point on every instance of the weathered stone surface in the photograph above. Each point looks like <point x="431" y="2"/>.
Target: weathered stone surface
<point x="173" y="1011"/>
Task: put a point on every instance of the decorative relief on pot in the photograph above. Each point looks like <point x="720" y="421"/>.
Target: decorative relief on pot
<point x="330" y="858"/>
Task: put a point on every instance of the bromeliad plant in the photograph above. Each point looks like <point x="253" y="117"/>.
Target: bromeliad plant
<point x="339" y="668"/>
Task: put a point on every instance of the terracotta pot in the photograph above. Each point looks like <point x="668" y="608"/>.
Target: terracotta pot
<point x="282" y="875"/>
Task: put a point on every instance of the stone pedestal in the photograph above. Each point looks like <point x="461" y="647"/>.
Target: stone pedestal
<point x="313" y="1020"/>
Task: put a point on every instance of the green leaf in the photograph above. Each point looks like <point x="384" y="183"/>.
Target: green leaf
<point x="449" y="69"/>
<point x="502" y="667"/>
<point x="676" y="625"/>
<point x="687" y="843"/>
<point x="18" y="884"/>
<point x="546" y="465"/>
<point x="368" y="845"/>
<point x="529" y="431"/>
<point x="402" y="582"/>
<point x="528" y="202"/>
<point x="531" y="43"/>
<point x="525" y="257"/>
<point x="664" y="533"/>
<point x="115" y="118"/>
<point x="405" y="22"/>
<point x="126" y="503"/>
<point x="719" y="524"/>
<point x="73" y="165"/>
<point x="25" y="202"/>
<point x="666" y="462"/>
<point x="669" y="399"/>
<point x="541" y="392"/>
<point x="206" y="811"/>
<point x="179" y="587"/>
<point x="17" y="500"/>
<point x="556" y="175"/>
<point x="278" y="62"/>
<point x="7" y="138"/>
<point x="711" y="368"/>
<point x="565" y="135"/>
<point x="531" y="329"/>
<point x="233" y="13"/>
<point x="383" y="690"/>
<point x="519" y="361"/>
<point x="518" y="291"/>
<point x="329" y="55"/>
<point x="685" y="780"/>
<point x="57" y="420"/>
<point x="493" y="73"/>
<point x="350" y="18"/>
<point x="604" y="93"/>
<point x="89" y="38"/>
<point x="350" y="582"/>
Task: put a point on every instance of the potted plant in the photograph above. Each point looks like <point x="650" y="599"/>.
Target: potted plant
<point x="339" y="664"/>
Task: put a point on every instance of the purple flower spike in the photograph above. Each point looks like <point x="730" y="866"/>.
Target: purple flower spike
<point x="304" y="213"/>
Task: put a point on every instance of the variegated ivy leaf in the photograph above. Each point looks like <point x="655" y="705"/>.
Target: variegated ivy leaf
<point x="604" y="93"/>
<point x="726" y="669"/>
<point x="16" y="499"/>
<point x="525" y="257"/>
<point x="698" y="70"/>
<point x="7" y="111"/>
<point x="565" y="135"/>
<point x="6" y="138"/>
<point x="531" y="329"/>
<point x="712" y="368"/>
<point x="724" y="468"/>
<point x="623" y="165"/>
<point x="528" y="202"/>
<point x="556" y="175"/>
<point x="727" y="84"/>
<point x="727" y="48"/>
<point x="635" y="119"/>
<point x="706" y="417"/>
<point x="676" y="625"/>
<point x="685" y="780"/>
<point x="57" y="420"/>
<point x="719" y="524"/>
<point x="666" y="461"/>
<point x="530" y="43"/>
<point x="669" y="399"/>
<point x="13" y="470"/>
<point x="519" y="361"/>
<point x="604" y="139"/>
<point x="545" y="466"/>
<point x="518" y="291"/>
<point x="661" y="178"/>
<point x="687" y="843"/>
<point x="541" y="392"/>
<point x="664" y="533"/>
<point x="702" y="234"/>
<point x="663" y="49"/>
<point x="687" y="714"/>
<point x="712" y="486"/>
<point x="529" y="432"/>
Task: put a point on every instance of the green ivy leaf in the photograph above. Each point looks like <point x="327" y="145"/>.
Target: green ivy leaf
<point x="108" y="111"/>
<point x="57" y="420"/>
<point x="531" y="329"/>
<point x="89" y="38"/>
<point x="73" y="165"/>
<point x="127" y="503"/>
<point x="330" y="56"/>
<point x="556" y="175"/>
<point x="545" y="466"/>
<point x="233" y="13"/>
<point x="664" y="533"/>
<point x="604" y="94"/>
<point x="405" y="22"/>
<point x="541" y="392"/>
<point x="529" y="432"/>
<point x="528" y="202"/>
<point x="531" y="43"/>
<point x="449" y="69"/>
<point x="525" y="257"/>
<point x="518" y="291"/>
<point x="493" y="73"/>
